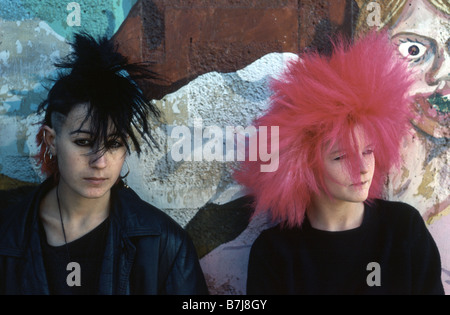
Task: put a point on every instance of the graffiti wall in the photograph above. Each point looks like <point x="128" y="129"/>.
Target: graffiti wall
<point x="421" y="31"/>
<point x="217" y="58"/>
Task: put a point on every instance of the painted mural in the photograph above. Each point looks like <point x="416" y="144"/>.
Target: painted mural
<point x="217" y="60"/>
<point x="421" y="31"/>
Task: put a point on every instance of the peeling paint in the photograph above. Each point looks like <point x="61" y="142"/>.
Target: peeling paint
<point x="98" y="17"/>
<point x="19" y="48"/>
<point x="26" y="72"/>
<point x="426" y="187"/>
<point x="4" y="56"/>
<point x="440" y="214"/>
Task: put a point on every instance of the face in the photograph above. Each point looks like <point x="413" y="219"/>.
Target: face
<point x="339" y="182"/>
<point x="422" y="35"/>
<point x="87" y="174"/>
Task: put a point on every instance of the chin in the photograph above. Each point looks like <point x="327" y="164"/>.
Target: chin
<point x="359" y="197"/>
<point x="94" y="193"/>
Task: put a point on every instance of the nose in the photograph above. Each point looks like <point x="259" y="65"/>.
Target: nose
<point x="441" y="69"/>
<point x="364" y="165"/>
<point x="98" y="160"/>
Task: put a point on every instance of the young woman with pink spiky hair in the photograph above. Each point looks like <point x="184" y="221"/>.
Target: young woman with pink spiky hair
<point x="341" y="122"/>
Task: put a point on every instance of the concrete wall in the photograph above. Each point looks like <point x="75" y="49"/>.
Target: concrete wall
<point x="217" y="57"/>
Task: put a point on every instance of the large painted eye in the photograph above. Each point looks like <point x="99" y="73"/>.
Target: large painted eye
<point x="412" y="50"/>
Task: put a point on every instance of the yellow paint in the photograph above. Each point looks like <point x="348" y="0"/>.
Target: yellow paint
<point x="404" y="178"/>
<point x="438" y="216"/>
<point x="425" y="189"/>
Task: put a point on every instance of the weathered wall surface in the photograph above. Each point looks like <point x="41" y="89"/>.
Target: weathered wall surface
<point x="32" y="37"/>
<point x="217" y="57"/>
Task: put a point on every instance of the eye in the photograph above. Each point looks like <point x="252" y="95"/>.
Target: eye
<point x="114" y="144"/>
<point x="340" y="157"/>
<point x="83" y="142"/>
<point x="368" y="152"/>
<point x="412" y="50"/>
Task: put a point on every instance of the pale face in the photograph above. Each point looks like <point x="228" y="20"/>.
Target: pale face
<point x="338" y="180"/>
<point x="422" y="35"/>
<point x="82" y="173"/>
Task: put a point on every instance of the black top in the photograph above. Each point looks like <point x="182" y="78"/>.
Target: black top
<point x="391" y="252"/>
<point x="87" y="251"/>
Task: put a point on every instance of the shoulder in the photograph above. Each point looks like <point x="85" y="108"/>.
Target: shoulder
<point x="398" y="216"/>
<point x="395" y="210"/>
<point x="138" y="217"/>
<point x="18" y="202"/>
<point x="16" y="197"/>
<point x="276" y="238"/>
<point x="17" y="218"/>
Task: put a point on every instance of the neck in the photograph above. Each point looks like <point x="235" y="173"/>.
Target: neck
<point x="75" y="207"/>
<point x="335" y="215"/>
<point x="80" y="215"/>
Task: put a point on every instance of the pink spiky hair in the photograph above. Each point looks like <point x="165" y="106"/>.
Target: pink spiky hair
<point x="319" y="100"/>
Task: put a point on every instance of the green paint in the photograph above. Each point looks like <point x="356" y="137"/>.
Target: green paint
<point x="440" y="103"/>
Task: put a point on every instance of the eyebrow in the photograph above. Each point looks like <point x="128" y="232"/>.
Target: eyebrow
<point x="336" y="152"/>
<point x="339" y="151"/>
<point x="78" y="131"/>
<point x="411" y="34"/>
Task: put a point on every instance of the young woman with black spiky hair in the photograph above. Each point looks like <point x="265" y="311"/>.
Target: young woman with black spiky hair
<point x="82" y="231"/>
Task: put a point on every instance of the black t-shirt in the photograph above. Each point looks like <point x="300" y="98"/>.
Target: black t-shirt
<point x="391" y="252"/>
<point x="87" y="252"/>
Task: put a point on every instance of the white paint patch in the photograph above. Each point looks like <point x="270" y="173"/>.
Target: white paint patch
<point x="49" y="31"/>
<point x="55" y="56"/>
<point x="219" y="99"/>
<point x="4" y="56"/>
<point x="4" y="89"/>
<point x="266" y="65"/>
<point x="8" y="131"/>
<point x="19" y="47"/>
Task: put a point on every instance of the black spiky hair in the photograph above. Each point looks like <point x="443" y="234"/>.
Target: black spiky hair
<point x="95" y="73"/>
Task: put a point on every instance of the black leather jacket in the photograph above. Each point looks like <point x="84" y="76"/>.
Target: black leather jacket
<point x="146" y="251"/>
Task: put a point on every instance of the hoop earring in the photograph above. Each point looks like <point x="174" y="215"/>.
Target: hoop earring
<point x="47" y="151"/>
<point x="50" y="155"/>
<point x="128" y="171"/>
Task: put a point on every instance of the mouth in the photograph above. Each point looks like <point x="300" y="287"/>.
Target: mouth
<point x="96" y="180"/>
<point x="360" y="184"/>
<point x="440" y="102"/>
<point x="432" y="112"/>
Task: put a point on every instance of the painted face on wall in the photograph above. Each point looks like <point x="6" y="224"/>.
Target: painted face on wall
<point x="422" y="34"/>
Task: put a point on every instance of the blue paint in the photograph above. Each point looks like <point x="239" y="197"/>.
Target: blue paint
<point x="97" y="17"/>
